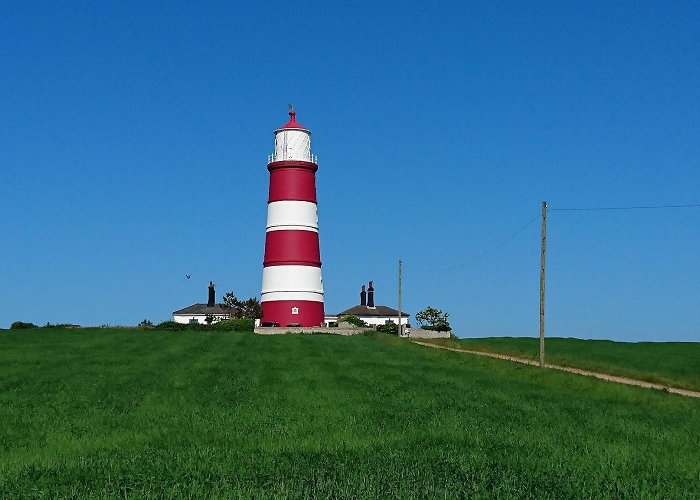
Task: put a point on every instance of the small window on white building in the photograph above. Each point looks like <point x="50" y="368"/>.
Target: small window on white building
<point x="295" y="310"/>
<point x="194" y="321"/>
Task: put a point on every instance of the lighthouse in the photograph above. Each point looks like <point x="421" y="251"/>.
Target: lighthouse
<point x="292" y="288"/>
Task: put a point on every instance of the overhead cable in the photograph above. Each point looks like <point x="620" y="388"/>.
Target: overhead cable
<point x="488" y="250"/>
<point x="647" y="207"/>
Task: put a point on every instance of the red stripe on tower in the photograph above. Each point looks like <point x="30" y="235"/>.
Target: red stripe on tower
<point x="292" y="182"/>
<point x="292" y="288"/>
<point x="292" y="247"/>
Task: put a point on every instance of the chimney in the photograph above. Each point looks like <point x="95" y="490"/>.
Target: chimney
<point x="363" y="296"/>
<point x="370" y="295"/>
<point x="212" y="295"/>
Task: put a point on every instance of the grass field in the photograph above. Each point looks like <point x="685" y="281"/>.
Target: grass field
<point x="117" y="412"/>
<point x="675" y="364"/>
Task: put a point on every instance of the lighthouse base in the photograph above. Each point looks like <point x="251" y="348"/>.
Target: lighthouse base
<point x="292" y="312"/>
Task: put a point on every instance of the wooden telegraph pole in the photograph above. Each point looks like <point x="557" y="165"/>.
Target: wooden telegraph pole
<point x="400" y="329"/>
<point x="542" y="265"/>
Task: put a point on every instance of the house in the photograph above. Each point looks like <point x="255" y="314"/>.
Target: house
<point x="369" y="313"/>
<point x="198" y="313"/>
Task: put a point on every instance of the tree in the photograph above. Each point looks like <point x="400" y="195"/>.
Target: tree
<point x="252" y="308"/>
<point x="232" y="303"/>
<point x="21" y="325"/>
<point x="249" y="308"/>
<point x="433" y="319"/>
<point x="145" y="324"/>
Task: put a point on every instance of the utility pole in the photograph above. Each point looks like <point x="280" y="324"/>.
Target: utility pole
<point x="400" y="329"/>
<point x="542" y="265"/>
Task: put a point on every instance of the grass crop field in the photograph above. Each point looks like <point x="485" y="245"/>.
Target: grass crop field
<point x="134" y="413"/>
<point x="676" y="364"/>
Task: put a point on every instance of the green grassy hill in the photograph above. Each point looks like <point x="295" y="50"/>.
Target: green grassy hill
<point x="675" y="364"/>
<point x="116" y="412"/>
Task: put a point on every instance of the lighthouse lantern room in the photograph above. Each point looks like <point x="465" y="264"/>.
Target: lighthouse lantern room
<point x="292" y="287"/>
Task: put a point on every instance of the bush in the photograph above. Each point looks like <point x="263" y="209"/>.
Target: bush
<point x="21" y="325"/>
<point x="233" y="325"/>
<point x="145" y="324"/>
<point x="391" y="328"/>
<point x="230" y="325"/>
<point x="353" y="320"/>
<point x="173" y="326"/>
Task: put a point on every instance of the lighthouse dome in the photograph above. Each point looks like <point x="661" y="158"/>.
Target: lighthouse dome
<point x="292" y="142"/>
<point x="292" y="123"/>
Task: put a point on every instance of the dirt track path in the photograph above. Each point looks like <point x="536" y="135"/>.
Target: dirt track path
<point x="578" y="371"/>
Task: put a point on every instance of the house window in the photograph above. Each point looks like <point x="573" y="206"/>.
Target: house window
<point x="194" y="321"/>
<point x="295" y="310"/>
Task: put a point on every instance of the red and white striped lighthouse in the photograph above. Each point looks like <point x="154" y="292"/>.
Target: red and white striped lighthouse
<point x="292" y="288"/>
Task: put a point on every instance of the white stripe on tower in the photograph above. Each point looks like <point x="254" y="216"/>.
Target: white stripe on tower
<point x="285" y="215"/>
<point x="293" y="279"/>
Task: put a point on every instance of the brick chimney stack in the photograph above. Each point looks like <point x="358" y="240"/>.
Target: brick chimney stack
<point x="212" y="295"/>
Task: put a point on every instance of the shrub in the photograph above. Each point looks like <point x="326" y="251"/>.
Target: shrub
<point x="230" y="325"/>
<point x="391" y="328"/>
<point x="145" y="324"/>
<point x="21" y="325"/>
<point x="353" y="320"/>
<point x="172" y="326"/>
<point x="234" y="325"/>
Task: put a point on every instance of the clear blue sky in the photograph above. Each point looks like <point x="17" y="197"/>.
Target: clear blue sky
<point x="134" y="136"/>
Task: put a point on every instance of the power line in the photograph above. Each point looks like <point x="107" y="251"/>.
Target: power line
<point x="647" y="207"/>
<point x="499" y="245"/>
<point x="488" y="250"/>
<point x="495" y="247"/>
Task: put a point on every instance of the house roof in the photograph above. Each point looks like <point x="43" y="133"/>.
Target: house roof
<point x="373" y="311"/>
<point x="203" y="309"/>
